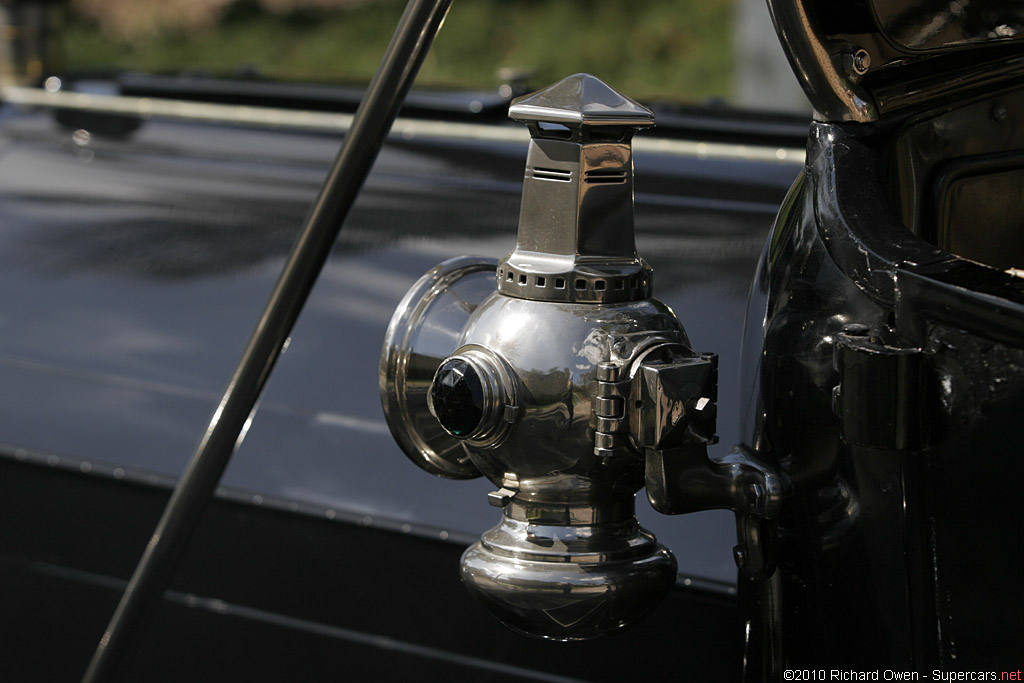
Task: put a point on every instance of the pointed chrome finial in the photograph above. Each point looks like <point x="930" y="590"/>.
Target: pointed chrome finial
<point x="581" y="100"/>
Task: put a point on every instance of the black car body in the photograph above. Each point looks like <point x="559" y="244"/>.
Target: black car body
<point x="135" y="296"/>
<point x="136" y="261"/>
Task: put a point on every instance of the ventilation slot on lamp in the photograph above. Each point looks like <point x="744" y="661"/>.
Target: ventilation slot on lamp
<point x="552" y="174"/>
<point x="606" y="177"/>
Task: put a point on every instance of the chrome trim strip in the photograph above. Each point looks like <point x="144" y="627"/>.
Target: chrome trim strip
<point x="721" y="150"/>
<point x="146" y="108"/>
<point x="404" y="128"/>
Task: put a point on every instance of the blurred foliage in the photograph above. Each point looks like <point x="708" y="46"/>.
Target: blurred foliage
<point x="679" y="49"/>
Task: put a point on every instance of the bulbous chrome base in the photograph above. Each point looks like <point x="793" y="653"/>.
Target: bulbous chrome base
<point x="568" y="582"/>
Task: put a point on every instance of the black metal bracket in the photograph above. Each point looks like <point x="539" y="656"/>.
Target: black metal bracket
<point x="686" y="479"/>
<point x="674" y="422"/>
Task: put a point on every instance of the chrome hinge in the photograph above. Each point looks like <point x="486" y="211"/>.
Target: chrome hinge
<point x="608" y="419"/>
<point x="668" y="400"/>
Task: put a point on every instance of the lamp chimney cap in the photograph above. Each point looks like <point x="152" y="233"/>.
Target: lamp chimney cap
<point x="581" y="100"/>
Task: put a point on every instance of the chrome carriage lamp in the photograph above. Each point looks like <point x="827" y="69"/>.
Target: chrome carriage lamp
<point x="555" y="374"/>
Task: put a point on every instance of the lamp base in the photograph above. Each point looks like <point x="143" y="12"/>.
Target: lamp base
<point x="568" y="582"/>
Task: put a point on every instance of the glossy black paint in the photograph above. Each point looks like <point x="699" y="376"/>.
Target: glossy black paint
<point x="927" y="25"/>
<point x="277" y="591"/>
<point x="884" y="371"/>
<point x="398" y="68"/>
<point x="910" y="54"/>
<point x="137" y="266"/>
<point x="712" y="122"/>
<point x="140" y="266"/>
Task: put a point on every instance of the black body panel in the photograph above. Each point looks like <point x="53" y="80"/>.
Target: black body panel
<point x="134" y="269"/>
<point x="267" y="592"/>
<point x="886" y="372"/>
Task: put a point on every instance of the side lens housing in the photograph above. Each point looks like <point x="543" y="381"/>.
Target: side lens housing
<point x="474" y="396"/>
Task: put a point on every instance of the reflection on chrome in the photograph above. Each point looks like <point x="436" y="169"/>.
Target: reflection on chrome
<point x="535" y="394"/>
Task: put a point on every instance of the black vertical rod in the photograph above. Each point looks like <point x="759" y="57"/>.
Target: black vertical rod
<point x="409" y="45"/>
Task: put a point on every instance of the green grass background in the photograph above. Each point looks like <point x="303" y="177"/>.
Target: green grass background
<point x="678" y="49"/>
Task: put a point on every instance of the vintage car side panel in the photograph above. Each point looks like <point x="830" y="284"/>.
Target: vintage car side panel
<point x="267" y="592"/>
<point x="890" y="531"/>
<point x="135" y="269"/>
